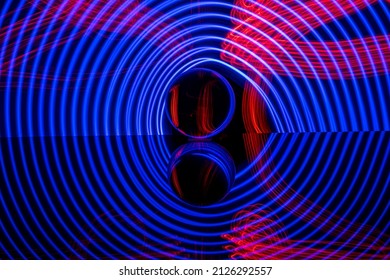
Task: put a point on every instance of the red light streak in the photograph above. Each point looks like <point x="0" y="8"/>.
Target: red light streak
<point x="256" y="235"/>
<point x="174" y="112"/>
<point x="288" y="54"/>
<point x="204" y="112"/>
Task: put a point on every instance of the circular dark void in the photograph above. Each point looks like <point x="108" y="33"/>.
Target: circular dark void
<point x="201" y="176"/>
<point x="200" y="103"/>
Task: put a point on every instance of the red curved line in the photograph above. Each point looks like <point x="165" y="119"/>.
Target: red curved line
<point x="345" y="59"/>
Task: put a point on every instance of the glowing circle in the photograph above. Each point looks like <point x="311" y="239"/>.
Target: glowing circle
<point x="201" y="173"/>
<point x="200" y="103"/>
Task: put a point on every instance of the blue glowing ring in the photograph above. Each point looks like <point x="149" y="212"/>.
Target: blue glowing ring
<point x="83" y="121"/>
<point x="232" y="104"/>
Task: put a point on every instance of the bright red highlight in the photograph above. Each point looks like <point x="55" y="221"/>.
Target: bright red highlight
<point x="282" y="48"/>
<point x="174" y="105"/>
<point x="204" y="114"/>
<point x="257" y="235"/>
<point x="254" y="108"/>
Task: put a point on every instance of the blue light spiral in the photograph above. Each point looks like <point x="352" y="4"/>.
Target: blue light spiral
<point x="86" y="145"/>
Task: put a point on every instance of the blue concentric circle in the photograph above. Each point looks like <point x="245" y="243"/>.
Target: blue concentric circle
<point x="86" y="144"/>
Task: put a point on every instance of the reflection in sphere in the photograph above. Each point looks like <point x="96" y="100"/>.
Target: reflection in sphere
<point x="201" y="173"/>
<point x="200" y="103"/>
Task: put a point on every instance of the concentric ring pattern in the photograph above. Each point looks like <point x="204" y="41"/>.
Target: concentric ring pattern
<point x="86" y="144"/>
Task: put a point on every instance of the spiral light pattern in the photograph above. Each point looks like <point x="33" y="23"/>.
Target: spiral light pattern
<point x="86" y="143"/>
